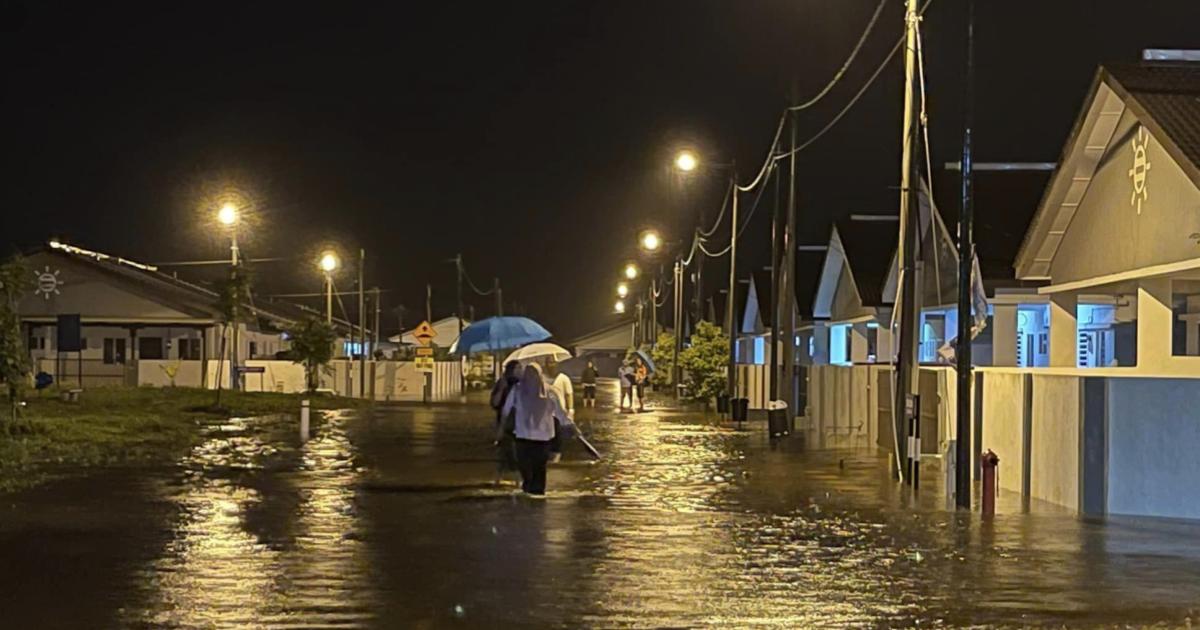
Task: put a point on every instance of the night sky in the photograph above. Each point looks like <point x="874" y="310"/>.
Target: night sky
<point x="533" y="137"/>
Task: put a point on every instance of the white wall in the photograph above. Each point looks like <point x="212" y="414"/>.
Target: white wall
<point x="153" y="373"/>
<point x="1003" y="425"/>
<point x="1054" y="440"/>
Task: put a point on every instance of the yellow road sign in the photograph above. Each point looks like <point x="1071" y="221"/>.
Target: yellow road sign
<point x="424" y="334"/>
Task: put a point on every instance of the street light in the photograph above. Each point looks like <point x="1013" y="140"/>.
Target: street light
<point x="632" y="271"/>
<point x="622" y="290"/>
<point x="619" y="307"/>
<point x="329" y="263"/>
<point x="228" y="214"/>
<point x="650" y="241"/>
<point x="686" y="161"/>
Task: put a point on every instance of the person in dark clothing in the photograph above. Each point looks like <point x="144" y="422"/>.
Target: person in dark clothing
<point x="589" y="384"/>
<point x="506" y="454"/>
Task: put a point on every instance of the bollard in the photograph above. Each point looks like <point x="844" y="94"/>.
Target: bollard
<point x="987" y="500"/>
<point x="304" y="420"/>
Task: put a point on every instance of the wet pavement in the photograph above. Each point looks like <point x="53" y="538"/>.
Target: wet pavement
<point x="391" y="519"/>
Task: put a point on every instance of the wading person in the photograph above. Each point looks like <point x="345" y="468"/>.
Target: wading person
<point x="534" y="411"/>
<point x="626" y="377"/>
<point x="641" y="376"/>
<point x="560" y="385"/>
<point x="506" y="457"/>
<point x="589" y="384"/>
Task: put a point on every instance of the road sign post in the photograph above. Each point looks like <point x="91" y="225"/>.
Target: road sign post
<point x="424" y="335"/>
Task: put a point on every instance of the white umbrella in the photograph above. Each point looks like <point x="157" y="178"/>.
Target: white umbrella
<point x="533" y="351"/>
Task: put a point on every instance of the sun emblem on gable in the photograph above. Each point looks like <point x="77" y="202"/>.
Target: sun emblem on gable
<point x="1141" y="164"/>
<point x="48" y="282"/>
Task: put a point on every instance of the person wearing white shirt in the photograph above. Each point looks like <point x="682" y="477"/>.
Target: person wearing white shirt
<point x="534" y="411"/>
<point x="560" y="385"/>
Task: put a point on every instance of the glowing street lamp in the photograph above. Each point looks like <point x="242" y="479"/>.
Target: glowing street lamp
<point x="632" y="271"/>
<point x="329" y="263"/>
<point x="622" y="290"/>
<point x="619" y="307"/>
<point x="686" y="161"/>
<point x="228" y="214"/>
<point x="650" y="241"/>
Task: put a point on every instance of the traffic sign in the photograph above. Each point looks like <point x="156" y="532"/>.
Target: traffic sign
<point x="424" y="334"/>
<point x="425" y="352"/>
<point x="424" y="364"/>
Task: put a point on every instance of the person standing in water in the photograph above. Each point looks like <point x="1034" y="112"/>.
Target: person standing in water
<point x="534" y="411"/>
<point x="506" y="457"/>
<point x="626" y="377"/>
<point x="561" y="387"/>
<point x="641" y="377"/>
<point x="589" y="384"/>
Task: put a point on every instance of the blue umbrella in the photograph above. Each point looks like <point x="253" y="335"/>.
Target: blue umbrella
<point x="646" y="359"/>
<point x="499" y="333"/>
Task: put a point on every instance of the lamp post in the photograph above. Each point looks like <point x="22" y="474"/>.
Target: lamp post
<point x="329" y="263"/>
<point x="685" y="164"/>
<point x="651" y="243"/>
<point x="227" y="216"/>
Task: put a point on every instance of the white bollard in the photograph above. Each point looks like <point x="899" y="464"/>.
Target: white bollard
<point x="304" y="420"/>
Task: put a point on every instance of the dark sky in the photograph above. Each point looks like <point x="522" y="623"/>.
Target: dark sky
<point x="534" y="137"/>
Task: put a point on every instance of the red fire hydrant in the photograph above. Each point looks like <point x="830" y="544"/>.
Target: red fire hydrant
<point x="989" y="461"/>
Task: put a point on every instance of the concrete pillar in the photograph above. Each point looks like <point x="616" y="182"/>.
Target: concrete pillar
<point x="1192" y="340"/>
<point x="1064" y="330"/>
<point x="1154" y="321"/>
<point x="820" y="344"/>
<point x="883" y="344"/>
<point x="1004" y="335"/>
<point x="858" y="343"/>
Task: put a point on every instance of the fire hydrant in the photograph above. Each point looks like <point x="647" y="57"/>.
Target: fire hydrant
<point x="989" y="461"/>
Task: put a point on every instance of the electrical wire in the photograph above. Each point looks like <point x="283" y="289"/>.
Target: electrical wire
<point x="854" y="99"/>
<point x="463" y="268"/>
<point x="720" y="216"/>
<point x="837" y="77"/>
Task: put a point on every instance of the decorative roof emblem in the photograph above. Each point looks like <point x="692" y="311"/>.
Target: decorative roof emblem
<point x="1137" y="174"/>
<point x="48" y="282"/>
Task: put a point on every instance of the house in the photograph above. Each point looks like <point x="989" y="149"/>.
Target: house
<point x="445" y="333"/>
<point x="1109" y="427"/>
<point x="129" y="312"/>
<point x="852" y="307"/>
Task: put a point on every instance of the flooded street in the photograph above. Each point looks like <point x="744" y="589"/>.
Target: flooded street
<point x="391" y="519"/>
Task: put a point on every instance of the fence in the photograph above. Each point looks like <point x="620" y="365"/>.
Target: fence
<point x="385" y="380"/>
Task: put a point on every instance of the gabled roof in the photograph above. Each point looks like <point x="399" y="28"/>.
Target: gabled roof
<point x="808" y="277"/>
<point x="1163" y="97"/>
<point x="869" y="247"/>
<point x="763" y="291"/>
<point x="719" y="303"/>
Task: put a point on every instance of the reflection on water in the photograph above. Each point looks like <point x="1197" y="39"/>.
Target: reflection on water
<point x="390" y="520"/>
<point x="265" y="535"/>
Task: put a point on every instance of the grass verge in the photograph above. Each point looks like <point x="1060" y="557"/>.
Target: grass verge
<point x="116" y="425"/>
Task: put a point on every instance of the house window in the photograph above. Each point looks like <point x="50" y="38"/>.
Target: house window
<point x="189" y="349"/>
<point x="114" y="350"/>
<point x="839" y="343"/>
<point x="150" y="348"/>
<point x="760" y="351"/>
<point x="253" y="349"/>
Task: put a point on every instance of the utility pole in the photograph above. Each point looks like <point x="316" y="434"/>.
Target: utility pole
<point x="375" y="343"/>
<point x="429" y="303"/>
<point x="499" y="297"/>
<point x="676" y="369"/>
<point x="789" y="287"/>
<point x="362" y="326"/>
<point x="966" y="259"/>
<point x="458" y="265"/>
<point x="653" y="310"/>
<point x="776" y="296"/>
<point x="906" y="368"/>
<point x="730" y="324"/>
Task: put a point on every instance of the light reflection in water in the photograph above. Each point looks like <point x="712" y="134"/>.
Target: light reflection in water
<point x="256" y="548"/>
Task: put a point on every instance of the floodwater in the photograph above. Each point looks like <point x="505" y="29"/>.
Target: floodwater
<point x="391" y="520"/>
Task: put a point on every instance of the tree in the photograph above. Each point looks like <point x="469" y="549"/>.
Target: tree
<point x="230" y="293"/>
<point x="704" y="362"/>
<point x="14" y="356"/>
<point x="312" y="346"/>
<point x="663" y="354"/>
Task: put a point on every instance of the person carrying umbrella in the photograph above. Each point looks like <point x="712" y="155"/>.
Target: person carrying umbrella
<point x="534" y="412"/>
<point x="561" y="387"/>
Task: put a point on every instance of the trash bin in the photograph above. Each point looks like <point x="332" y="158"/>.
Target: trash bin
<point x="722" y="403"/>
<point x="741" y="409"/>
<point x="777" y="418"/>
